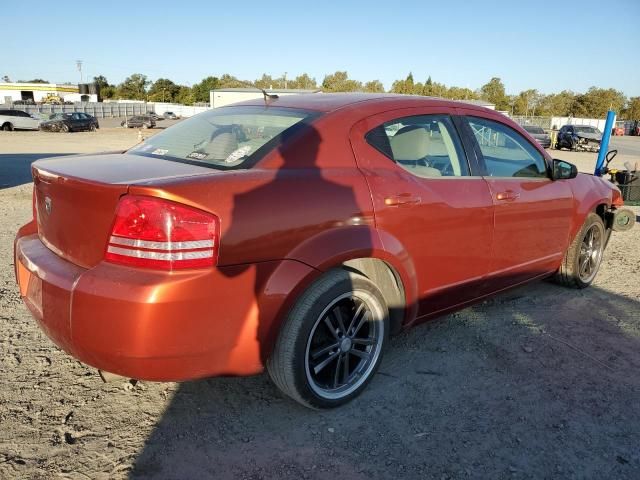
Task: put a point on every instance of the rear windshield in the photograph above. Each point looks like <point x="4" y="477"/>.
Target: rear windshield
<point x="533" y="129"/>
<point x="224" y="138"/>
<point x="586" y="129"/>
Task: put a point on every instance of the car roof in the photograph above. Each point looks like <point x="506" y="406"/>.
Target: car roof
<point x="327" y="102"/>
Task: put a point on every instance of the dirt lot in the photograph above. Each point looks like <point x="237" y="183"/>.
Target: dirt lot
<point x="540" y="382"/>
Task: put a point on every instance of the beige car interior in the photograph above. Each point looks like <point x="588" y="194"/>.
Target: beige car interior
<point x="413" y="144"/>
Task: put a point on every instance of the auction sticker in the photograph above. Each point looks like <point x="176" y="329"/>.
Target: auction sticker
<point x="198" y="155"/>
<point x="238" y="154"/>
<point x="159" y="151"/>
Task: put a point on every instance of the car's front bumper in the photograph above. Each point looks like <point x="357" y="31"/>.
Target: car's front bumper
<point x="154" y="325"/>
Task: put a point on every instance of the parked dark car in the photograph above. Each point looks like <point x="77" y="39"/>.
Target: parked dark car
<point x="70" y="122"/>
<point x="539" y="135"/>
<point x="299" y="236"/>
<point x="139" y="121"/>
<point x="579" y="138"/>
<point x="155" y="116"/>
<point x="170" y="116"/>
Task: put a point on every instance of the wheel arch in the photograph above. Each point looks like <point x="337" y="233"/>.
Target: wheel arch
<point x="388" y="280"/>
<point x="373" y="253"/>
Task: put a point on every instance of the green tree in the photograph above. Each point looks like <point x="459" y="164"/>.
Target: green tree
<point x="597" y="101"/>
<point x="526" y="103"/>
<point x="101" y="81"/>
<point x="558" y="104"/>
<point x="267" y="82"/>
<point x="229" y="81"/>
<point x="406" y="86"/>
<point x="304" y="82"/>
<point x="374" y="86"/>
<point x="134" y="87"/>
<point x="108" y="92"/>
<point x="201" y="90"/>
<point x="340" y="82"/>
<point x="494" y="92"/>
<point x="632" y="112"/>
<point x="434" y="89"/>
<point x="35" y="80"/>
<point x="185" y="96"/>
<point x="460" y="93"/>
<point x="163" y="90"/>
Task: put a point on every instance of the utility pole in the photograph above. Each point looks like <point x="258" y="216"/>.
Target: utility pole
<point x="79" y="65"/>
<point x="285" y="80"/>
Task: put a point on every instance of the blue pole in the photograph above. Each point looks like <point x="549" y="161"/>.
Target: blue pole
<point x="604" y="144"/>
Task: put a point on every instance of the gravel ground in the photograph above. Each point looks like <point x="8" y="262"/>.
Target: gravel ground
<point x="540" y="382"/>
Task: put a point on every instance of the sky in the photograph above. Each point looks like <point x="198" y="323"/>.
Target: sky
<point x="546" y="45"/>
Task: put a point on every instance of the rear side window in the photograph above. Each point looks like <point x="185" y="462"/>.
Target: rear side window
<point x="534" y="129"/>
<point x="506" y="153"/>
<point x="224" y="138"/>
<point x="426" y="145"/>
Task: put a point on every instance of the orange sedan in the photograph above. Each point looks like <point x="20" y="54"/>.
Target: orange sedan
<point x="297" y="234"/>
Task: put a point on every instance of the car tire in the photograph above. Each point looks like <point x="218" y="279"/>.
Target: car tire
<point x="313" y="360"/>
<point x="583" y="258"/>
<point x="145" y="126"/>
<point x="64" y="128"/>
<point x="7" y="127"/>
<point x="92" y="128"/>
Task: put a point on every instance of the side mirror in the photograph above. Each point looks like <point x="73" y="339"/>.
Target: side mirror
<point x="562" y="170"/>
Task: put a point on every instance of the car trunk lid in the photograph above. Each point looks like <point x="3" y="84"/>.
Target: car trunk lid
<point x="76" y="197"/>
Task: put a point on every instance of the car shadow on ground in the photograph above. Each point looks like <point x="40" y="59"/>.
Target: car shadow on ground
<point x="538" y="382"/>
<point x="15" y="168"/>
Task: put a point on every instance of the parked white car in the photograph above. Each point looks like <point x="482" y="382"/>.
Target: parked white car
<point x="18" y="120"/>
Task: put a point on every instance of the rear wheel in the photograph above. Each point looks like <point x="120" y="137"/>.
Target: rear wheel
<point x="92" y="127"/>
<point x="584" y="256"/>
<point x="64" y="128"/>
<point x="331" y="343"/>
<point x="7" y="127"/>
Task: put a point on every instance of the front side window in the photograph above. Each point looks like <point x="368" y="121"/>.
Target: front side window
<point x="506" y="153"/>
<point x="426" y="145"/>
<point x="223" y="138"/>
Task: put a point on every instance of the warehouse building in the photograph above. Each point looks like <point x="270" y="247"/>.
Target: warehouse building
<point x="38" y="92"/>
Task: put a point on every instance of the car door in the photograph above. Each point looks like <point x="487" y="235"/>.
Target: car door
<point x="84" y="121"/>
<point x="426" y="196"/>
<point x="78" y="121"/>
<point x="532" y="212"/>
<point x="21" y="119"/>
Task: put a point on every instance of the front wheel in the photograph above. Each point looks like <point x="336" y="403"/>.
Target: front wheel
<point x="64" y="128"/>
<point x="332" y="341"/>
<point x="7" y="127"/>
<point x="583" y="258"/>
<point x="92" y="128"/>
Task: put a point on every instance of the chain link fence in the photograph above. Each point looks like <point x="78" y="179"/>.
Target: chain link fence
<point x="98" y="110"/>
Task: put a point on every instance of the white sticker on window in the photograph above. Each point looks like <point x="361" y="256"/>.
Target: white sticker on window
<point x="238" y="154"/>
<point x="159" y="151"/>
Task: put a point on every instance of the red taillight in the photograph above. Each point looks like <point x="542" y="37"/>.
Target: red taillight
<point x="156" y="233"/>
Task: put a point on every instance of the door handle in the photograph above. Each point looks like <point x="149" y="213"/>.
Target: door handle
<point x="402" y="199"/>
<point x="507" y="195"/>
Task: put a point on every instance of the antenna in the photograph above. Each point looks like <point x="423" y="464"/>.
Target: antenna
<point x="268" y="96"/>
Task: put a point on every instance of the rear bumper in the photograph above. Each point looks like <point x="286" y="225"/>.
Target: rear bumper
<point x="157" y="325"/>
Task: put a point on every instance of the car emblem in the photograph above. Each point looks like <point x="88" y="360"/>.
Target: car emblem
<point x="47" y="205"/>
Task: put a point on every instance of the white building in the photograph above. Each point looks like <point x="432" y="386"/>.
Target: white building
<point x="224" y="96"/>
<point x="36" y="92"/>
